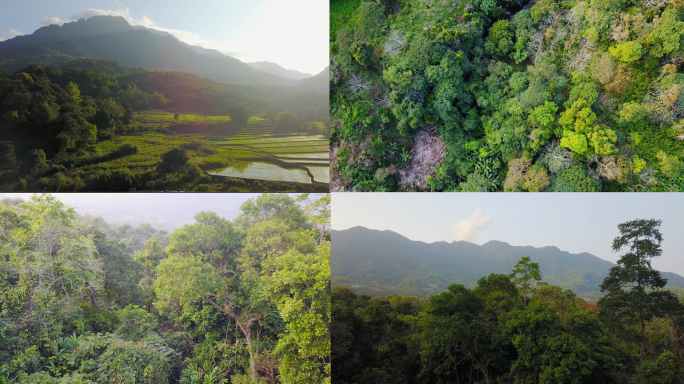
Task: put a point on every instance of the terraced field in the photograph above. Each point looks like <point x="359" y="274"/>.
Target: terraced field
<point x="159" y="116"/>
<point x="283" y="155"/>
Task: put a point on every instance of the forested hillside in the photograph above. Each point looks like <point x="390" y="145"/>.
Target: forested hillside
<point x="507" y="95"/>
<point x="383" y="262"/>
<point x="216" y="301"/>
<point x="96" y="125"/>
<point x="513" y="328"/>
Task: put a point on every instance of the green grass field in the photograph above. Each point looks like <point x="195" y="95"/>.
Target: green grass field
<point x="157" y="117"/>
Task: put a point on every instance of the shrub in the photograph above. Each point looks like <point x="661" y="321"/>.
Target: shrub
<point x="45" y="378"/>
<point x="99" y="319"/>
<point x="578" y="179"/>
<point x="173" y="160"/>
<point x="133" y="362"/>
<point x="203" y="188"/>
<point x="20" y="185"/>
<point x="135" y="323"/>
<point x="199" y="145"/>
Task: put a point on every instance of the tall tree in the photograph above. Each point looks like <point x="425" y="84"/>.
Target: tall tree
<point x="319" y="211"/>
<point x="526" y="276"/>
<point x="149" y="258"/>
<point x="300" y="289"/>
<point x="51" y="264"/>
<point x="214" y="262"/>
<point x="634" y="289"/>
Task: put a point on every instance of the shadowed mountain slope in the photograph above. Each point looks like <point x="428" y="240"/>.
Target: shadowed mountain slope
<point x="112" y="38"/>
<point x="277" y="70"/>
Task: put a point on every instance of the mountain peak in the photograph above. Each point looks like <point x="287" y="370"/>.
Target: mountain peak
<point x="491" y="243"/>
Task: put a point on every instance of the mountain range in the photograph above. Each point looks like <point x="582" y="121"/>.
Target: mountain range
<point x="384" y="262"/>
<point x="114" y="39"/>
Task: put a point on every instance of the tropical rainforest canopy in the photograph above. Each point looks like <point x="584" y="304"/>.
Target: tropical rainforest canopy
<point x="500" y="95"/>
<point x="513" y="328"/>
<point x="216" y="301"/>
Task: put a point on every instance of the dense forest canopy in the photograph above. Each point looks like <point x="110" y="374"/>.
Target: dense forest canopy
<point x="216" y="301"/>
<point x="514" y="328"/>
<point x="507" y="95"/>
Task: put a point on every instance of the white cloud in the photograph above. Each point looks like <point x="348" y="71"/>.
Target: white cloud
<point x="15" y="33"/>
<point x="2" y="39"/>
<point x="469" y="228"/>
<point x="185" y="36"/>
<point x="52" y="20"/>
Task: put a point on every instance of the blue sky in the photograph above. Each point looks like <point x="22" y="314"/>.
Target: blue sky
<point x="575" y="223"/>
<point x="292" y="33"/>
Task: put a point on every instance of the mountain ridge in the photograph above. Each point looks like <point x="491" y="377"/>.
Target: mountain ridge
<point x="278" y="70"/>
<point x="381" y="262"/>
<point x="113" y="38"/>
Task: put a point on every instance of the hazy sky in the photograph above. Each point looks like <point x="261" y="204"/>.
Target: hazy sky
<point x="167" y="211"/>
<point x="292" y="33"/>
<point x="579" y="222"/>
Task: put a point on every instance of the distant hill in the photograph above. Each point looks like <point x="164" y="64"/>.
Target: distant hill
<point x="167" y="211"/>
<point x="277" y="70"/>
<point x="112" y="38"/>
<point x="382" y="262"/>
<point x="317" y="83"/>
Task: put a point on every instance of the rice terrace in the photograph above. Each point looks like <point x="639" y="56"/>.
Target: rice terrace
<point x="260" y="151"/>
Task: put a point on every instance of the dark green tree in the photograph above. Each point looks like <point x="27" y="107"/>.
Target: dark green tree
<point x="463" y="328"/>
<point x="37" y="160"/>
<point x="239" y="114"/>
<point x="634" y="289"/>
<point x="553" y="347"/>
<point x="173" y="160"/>
<point x="103" y="120"/>
<point x="7" y="156"/>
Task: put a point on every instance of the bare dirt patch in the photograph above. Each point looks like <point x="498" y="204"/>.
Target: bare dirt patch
<point x="428" y="150"/>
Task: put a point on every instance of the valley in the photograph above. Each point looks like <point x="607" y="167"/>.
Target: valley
<point x="80" y="110"/>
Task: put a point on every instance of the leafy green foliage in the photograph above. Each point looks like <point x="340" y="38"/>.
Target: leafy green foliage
<point x="513" y="80"/>
<point x="634" y="291"/>
<point x="488" y="334"/>
<point x="219" y="301"/>
<point x="131" y="362"/>
<point x="500" y="39"/>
